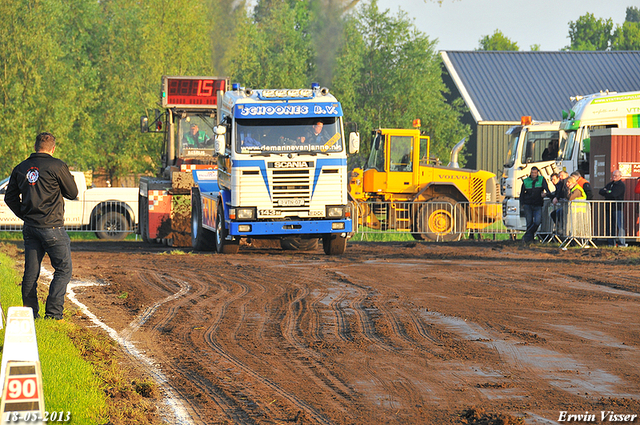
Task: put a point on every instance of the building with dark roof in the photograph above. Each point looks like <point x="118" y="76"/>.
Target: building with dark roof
<point x="499" y="87"/>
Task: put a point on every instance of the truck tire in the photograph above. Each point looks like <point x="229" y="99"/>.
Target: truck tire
<point x="201" y="239"/>
<point x="224" y="246"/>
<point x="294" y="243"/>
<point x="113" y="226"/>
<point x="334" y="244"/>
<point x="441" y="219"/>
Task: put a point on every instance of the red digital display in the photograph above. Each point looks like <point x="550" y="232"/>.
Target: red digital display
<point x="188" y="91"/>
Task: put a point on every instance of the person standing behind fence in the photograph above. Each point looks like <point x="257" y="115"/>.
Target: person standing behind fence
<point x="561" y="194"/>
<point x="534" y="189"/>
<point x="614" y="191"/>
<point x="34" y="194"/>
<point x="584" y="184"/>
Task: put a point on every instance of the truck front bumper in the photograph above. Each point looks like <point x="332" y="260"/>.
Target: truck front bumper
<point x="289" y="228"/>
<point x="511" y="215"/>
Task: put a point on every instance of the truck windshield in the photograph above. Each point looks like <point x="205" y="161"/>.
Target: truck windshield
<point x="264" y="136"/>
<point x="540" y="146"/>
<point x="195" y="136"/>
<point x="513" y="150"/>
<point x="567" y="146"/>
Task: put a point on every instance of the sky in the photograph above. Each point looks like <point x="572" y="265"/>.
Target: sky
<point x="460" y="24"/>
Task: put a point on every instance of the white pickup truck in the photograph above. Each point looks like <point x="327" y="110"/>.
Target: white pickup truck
<point x="110" y="212"/>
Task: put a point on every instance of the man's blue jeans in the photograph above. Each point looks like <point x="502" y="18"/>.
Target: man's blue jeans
<point x="54" y="242"/>
<point x="533" y="216"/>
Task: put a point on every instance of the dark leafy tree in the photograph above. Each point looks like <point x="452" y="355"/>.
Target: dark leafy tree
<point x="388" y="74"/>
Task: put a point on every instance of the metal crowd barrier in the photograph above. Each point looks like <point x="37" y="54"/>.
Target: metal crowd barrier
<point x="584" y="223"/>
<point x="438" y="220"/>
<point x="581" y="223"/>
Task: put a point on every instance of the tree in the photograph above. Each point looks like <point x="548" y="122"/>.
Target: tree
<point x="626" y="37"/>
<point x="273" y="48"/>
<point x="142" y="42"/>
<point x="389" y="73"/>
<point x="633" y="14"/>
<point x="589" y="33"/>
<point x="49" y="81"/>
<point x="498" y="41"/>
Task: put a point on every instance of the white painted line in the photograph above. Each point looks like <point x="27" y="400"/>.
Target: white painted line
<point x="174" y="410"/>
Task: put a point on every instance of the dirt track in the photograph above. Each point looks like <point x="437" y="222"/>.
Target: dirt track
<point x="388" y="333"/>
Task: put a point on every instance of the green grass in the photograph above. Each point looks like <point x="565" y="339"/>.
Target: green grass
<point x="69" y="382"/>
<point x="82" y="369"/>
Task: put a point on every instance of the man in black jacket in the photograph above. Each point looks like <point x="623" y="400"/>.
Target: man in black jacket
<point x="534" y="190"/>
<point x="34" y="194"/>
<point x="614" y="191"/>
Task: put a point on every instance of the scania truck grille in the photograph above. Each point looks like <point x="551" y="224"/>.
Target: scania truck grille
<point x="291" y="190"/>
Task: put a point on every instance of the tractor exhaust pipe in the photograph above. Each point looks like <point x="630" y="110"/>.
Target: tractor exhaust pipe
<point x="454" y="154"/>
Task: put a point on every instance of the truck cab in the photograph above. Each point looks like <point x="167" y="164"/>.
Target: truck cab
<point x="282" y="171"/>
<point x="533" y="143"/>
<point x="594" y="112"/>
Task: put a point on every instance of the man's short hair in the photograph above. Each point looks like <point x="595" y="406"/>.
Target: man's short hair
<point x="554" y="175"/>
<point x="576" y="173"/>
<point x="535" y="168"/>
<point x="45" y="142"/>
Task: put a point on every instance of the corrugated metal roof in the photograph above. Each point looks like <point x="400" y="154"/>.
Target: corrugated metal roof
<point x="503" y="86"/>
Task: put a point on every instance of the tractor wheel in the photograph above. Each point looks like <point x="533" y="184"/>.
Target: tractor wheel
<point x="441" y="219"/>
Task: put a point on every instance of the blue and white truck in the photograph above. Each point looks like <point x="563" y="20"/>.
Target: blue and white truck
<point x="282" y="172"/>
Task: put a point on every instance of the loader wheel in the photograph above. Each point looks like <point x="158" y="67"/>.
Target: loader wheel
<point x="223" y="246"/>
<point x="293" y="243"/>
<point x="113" y="226"/>
<point x="441" y="219"/>
<point x="201" y="239"/>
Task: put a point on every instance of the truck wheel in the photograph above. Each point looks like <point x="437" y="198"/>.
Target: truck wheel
<point x="113" y="226"/>
<point x="334" y="244"/>
<point x="224" y="246"/>
<point x="294" y="243"/>
<point x="201" y="238"/>
<point x="442" y="219"/>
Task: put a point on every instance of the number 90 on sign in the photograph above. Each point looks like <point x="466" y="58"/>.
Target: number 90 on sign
<point x="22" y="388"/>
<point x="60" y="416"/>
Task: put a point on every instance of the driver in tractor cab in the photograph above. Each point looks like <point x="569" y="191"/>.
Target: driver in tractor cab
<point x="195" y="138"/>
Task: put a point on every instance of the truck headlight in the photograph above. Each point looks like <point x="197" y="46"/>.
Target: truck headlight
<point x="245" y="214"/>
<point x="335" y="211"/>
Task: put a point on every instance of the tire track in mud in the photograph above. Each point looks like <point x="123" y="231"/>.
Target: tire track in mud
<point x="308" y="358"/>
<point x="210" y="338"/>
<point x="224" y="403"/>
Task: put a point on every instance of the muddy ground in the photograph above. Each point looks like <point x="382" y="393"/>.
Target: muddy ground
<point x="406" y="333"/>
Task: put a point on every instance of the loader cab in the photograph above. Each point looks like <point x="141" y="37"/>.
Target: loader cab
<point x="394" y="160"/>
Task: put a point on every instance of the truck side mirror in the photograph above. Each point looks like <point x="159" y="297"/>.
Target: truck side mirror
<point x="144" y="124"/>
<point x="354" y="142"/>
<point x="220" y="144"/>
